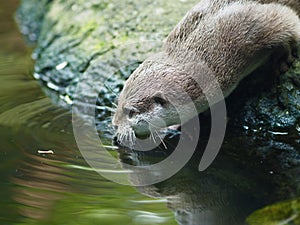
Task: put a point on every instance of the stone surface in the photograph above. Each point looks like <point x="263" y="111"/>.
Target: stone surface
<point x="97" y="44"/>
<point x="93" y="42"/>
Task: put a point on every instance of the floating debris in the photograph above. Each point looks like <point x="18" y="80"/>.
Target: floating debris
<point x="45" y="152"/>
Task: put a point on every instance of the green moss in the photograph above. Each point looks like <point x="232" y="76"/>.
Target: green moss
<point x="87" y="34"/>
<point x="281" y="213"/>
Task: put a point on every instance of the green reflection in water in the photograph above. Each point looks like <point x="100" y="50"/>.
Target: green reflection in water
<point x="54" y="188"/>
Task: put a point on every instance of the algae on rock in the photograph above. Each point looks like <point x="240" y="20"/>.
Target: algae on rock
<point x="91" y="42"/>
<point x="91" y="47"/>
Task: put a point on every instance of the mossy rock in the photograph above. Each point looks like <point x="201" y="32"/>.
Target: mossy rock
<point x="88" y="48"/>
<point x="95" y="41"/>
<point x="281" y="213"/>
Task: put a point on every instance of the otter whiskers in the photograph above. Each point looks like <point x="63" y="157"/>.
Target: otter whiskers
<point x="127" y="138"/>
<point x="161" y="139"/>
<point x="151" y="125"/>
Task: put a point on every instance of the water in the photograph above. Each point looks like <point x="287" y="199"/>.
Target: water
<point x="45" y="180"/>
<point x="54" y="188"/>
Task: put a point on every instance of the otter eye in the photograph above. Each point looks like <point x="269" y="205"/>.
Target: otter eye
<point x="159" y="100"/>
<point x="130" y="112"/>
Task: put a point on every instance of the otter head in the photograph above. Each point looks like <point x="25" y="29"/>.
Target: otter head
<point x="157" y="95"/>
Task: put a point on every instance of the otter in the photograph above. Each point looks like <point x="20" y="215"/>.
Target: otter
<point x="221" y="40"/>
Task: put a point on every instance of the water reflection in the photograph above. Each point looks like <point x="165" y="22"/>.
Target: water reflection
<point x="240" y="181"/>
<point x="57" y="188"/>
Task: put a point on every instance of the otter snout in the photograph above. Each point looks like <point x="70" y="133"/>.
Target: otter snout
<point x="141" y="129"/>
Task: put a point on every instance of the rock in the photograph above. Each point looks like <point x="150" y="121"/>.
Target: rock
<point x="88" y="48"/>
<point x="93" y="42"/>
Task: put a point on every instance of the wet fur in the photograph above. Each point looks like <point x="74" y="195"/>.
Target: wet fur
<point x="225" y="39"/>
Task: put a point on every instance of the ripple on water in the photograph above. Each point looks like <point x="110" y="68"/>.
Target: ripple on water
<point x="58" y="188"/>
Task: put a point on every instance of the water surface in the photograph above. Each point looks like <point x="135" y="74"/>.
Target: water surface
<point x="56" y="188"/>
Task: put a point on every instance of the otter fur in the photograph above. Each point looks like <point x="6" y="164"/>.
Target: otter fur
<point x="224" y="40"/>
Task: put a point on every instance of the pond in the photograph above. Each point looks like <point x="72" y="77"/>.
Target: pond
<point x="46" y="180"/>
<point x="56" y="188"/>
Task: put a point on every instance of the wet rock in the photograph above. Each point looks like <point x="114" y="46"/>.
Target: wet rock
<point x="91" y="42"/>
<point x="30" y="17"/>
<point x="88" y="48"/>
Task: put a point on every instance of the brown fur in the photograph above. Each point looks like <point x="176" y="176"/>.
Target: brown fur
<point x="224" y="39"/>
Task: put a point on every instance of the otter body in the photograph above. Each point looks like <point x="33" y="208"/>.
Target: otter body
<point x="218" y="41"/>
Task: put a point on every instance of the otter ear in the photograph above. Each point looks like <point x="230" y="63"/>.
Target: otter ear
<point x="159" y="98"/>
